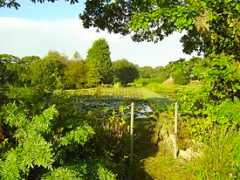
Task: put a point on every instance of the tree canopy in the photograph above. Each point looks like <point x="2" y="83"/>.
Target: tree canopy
<point x="124" y="71"/>
<point x="208" y="26"/>
<point x="48" y="73"/>
<point x="99" y="63"/>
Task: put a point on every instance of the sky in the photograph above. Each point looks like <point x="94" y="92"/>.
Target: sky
<point x="34" y="29"/>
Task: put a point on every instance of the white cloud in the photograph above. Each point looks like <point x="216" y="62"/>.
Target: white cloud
<point x="29" y="37"/>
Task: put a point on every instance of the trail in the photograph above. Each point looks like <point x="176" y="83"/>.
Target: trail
<point x="143" y="147"/>
<point x="154" y="159"/>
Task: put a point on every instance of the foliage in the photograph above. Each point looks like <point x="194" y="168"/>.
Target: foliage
<point x="8" y="73"/>
<point x="180" y="77"/>
<point x="150" y="75"/>
<point x="75" y="74"/>
<point x="161" y="76"/>
<point x="99" y="63"/>
<point x="210" y="112"/>
<point x="30" y="140"/>
<point x="215" y="103"/>
<point x="8" y="58"/>
<point x="79" y="135"/>
<point x="182" y="71"/>
<point x="34" y="138"/>
<point x="81" y="171"/>
<point x="61" y="174"/>
<point x="47" y="74"/>
<point x="221" y="77"/>
<point x="146" y="71"/>
<point x="124" y="71"/>
<point x="209" y="26"/>
<point x="103" y="173"/>
<point x="24" y="69"/>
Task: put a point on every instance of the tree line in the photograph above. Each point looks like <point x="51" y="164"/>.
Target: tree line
<point x="56" y="71"/>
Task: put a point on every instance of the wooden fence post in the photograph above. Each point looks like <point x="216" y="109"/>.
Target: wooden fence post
<point x="131" y="133"/>
<point x="175" y="146"/>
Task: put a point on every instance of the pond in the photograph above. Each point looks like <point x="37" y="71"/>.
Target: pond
<point x="143" y="108"/>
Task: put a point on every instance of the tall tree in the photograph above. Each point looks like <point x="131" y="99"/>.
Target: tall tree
<point x="99" y="63"/>
<point x="124" y="71"/>
<point x="77" y="56"/>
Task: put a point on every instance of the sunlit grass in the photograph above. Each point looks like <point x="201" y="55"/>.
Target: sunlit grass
<point x="163" y="166"/>
<point x="124" y="92"/>
<point x="171" y="89"/>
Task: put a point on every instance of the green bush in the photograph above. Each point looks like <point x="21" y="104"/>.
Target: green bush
<point x="34" y="143"/>
<point x="180" y="77"/>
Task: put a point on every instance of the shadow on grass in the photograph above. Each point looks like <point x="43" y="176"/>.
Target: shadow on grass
<point x="143" y="148"/>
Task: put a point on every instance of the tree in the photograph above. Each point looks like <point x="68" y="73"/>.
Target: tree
<point x="146" y="71"/>
<point x="8" y="73"/>
<point x="124" y="71"/>
<point x="24" y="69"/>
<point x="77" y="56"/>
<point x="99" y="63"/>
<point x="75" y="74"/>
<point x="180" y="77"/>
<point x="48" y="73"/>
<point x="180" y="71"/>
<point x="209" y="26"/>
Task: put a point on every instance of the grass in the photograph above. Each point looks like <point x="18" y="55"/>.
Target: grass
<point x="153" y="160"/>
<point x="167" y="90"/>
<point x="170" y="90"/>
<point x="123" y="92"/>
<point x="162" y="166"/>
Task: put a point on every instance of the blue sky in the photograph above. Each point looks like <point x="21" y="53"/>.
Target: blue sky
<point x="34" y="29"/>
<point x="44" y="11"/>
